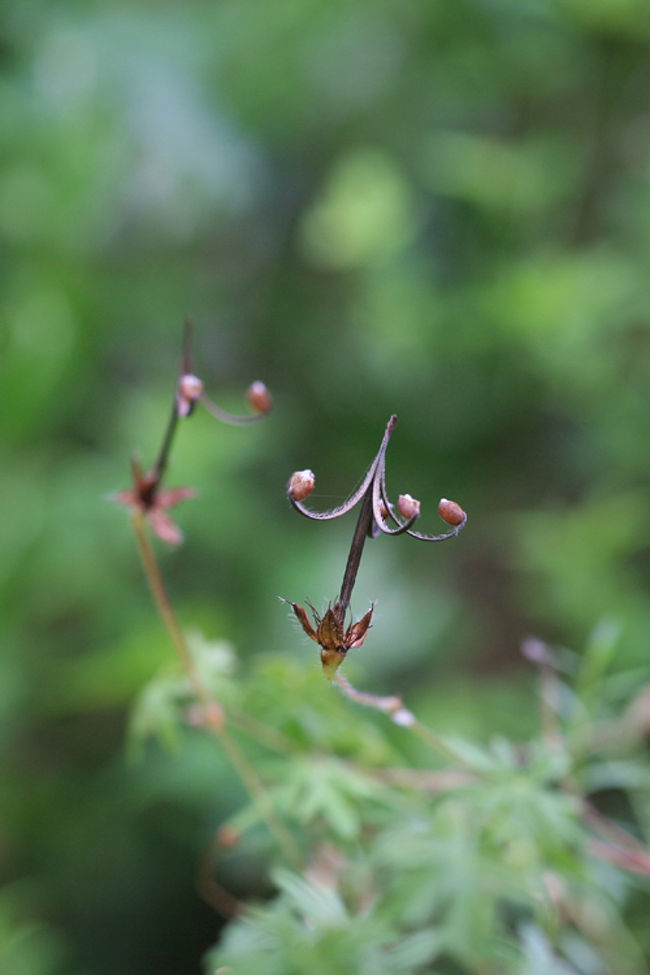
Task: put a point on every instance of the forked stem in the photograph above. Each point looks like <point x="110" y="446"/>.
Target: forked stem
<point x="214" y="714"/>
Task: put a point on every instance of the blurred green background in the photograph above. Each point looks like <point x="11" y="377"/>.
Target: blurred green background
<point x="438" y="209"/>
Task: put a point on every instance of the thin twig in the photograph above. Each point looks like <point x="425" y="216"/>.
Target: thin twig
<point x="220" y="899"/>
<point x="389" y="705"/>
<point x="214" y="718"/>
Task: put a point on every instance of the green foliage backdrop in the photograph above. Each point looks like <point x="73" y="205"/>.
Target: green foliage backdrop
<point x="438" y="209"/>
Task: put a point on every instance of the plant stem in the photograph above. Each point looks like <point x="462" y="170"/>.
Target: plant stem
<point x="361" y="532"/>
<point x="160" y="466"/>
<point x="163" y="457"/>
<point x="389" y="705"/>
<point x="438" y="743"/>
<point x="214" y="715"/>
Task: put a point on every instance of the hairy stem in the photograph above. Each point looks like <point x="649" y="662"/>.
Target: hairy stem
<point x="214" y="715"/>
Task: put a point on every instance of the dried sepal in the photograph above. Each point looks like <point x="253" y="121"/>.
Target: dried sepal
<point x="358" y="631"/>
<point x="305" y="622"/>
<point x="330" y="633"/>
<point x="146" y="497"/>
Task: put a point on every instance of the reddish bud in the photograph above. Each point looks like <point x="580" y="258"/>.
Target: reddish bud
<point x="206" y="716"/>
<point x="259" y="397"/>
<point x="301" y="484"/>
<point x="189" y="391"/>
<point x="451" y="512"/>
<point x="228" y="836"/>
<point x="407" y="506"/>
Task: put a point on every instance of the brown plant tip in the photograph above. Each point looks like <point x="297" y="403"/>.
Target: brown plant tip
<point x="451" y="512"/>
<point x="331" y="634"/>
<point x="301" y="484"/>
<point x="408" y="507"/>
<point x="259" y="397"/>
<point x="188" y="392"/>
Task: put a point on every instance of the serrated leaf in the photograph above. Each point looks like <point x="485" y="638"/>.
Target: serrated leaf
<point x="322" y="906"/>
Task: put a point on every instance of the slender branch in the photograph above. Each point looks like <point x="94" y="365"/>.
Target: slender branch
<point x="165" y="608"/>
<point x="232" y="418"/>
<point x="214" y="715"/>
<point x="389" y="705"/>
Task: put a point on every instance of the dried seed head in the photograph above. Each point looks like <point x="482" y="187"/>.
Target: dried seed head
<point x="407" y="506"/>
<point x="301" y="484"/>
<point x="259" y="397"/>
<point x="189" y="391"/>
<point x="451" y="512"/>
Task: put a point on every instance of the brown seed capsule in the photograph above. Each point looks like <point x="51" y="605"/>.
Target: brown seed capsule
<point x="301" y="484"/>
<point x="407" y="506"/>
<point x="189" y="391"/>
<point x="451" y="512"/>
<point x="259" y="397"/>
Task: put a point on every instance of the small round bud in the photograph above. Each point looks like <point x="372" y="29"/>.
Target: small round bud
<point x="384" y="510"/>
<point x="189" y="391"/>
<point x="407" y="506"/>
<point x="259" y="397"/>
<point x="451" y="512"/>
<point x="301" y="484"/>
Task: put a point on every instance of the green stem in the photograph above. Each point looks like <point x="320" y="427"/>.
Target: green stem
<point x="439" y="744"/>
<point x="215" y="718"/>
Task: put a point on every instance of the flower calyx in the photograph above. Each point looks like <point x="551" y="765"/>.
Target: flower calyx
<point x="147" y="498"/>
<point x="331" y="633"/>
